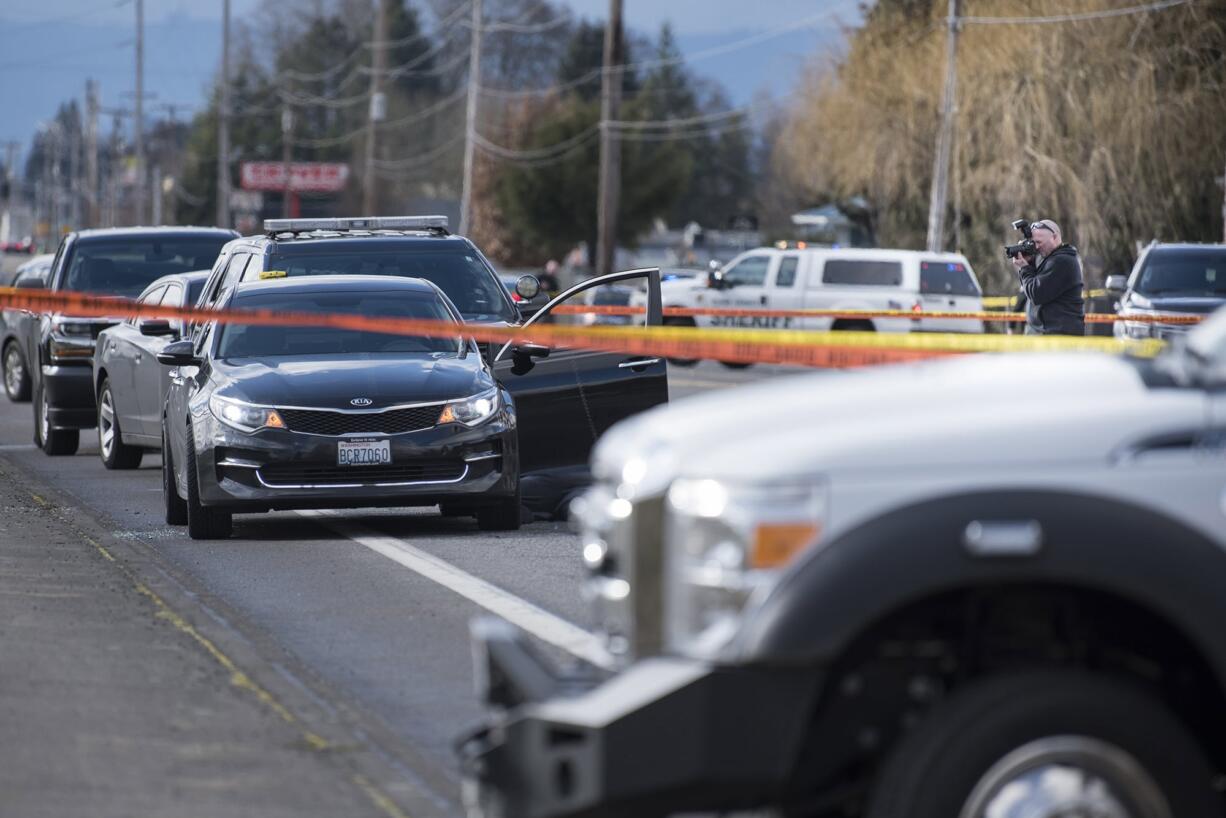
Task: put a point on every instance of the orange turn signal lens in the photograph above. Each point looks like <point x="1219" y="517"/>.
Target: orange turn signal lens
<point x="447" y="416"/>
<point x="774" y="544"/>
<point x="273" y="421"/>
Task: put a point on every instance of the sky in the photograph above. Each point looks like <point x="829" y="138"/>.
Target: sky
<point x="49" y="47"/>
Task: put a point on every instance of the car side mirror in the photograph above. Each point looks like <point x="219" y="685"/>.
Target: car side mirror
<point x="157" y="327"/>
<point x="522" y="355"/>
<point x="30" y="283"/>
<point x="1116" y="284"/>
<point x="179" y="353"/>
<point x="528" y="287"/>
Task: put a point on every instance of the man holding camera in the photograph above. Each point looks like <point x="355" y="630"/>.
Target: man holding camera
<point x="1052" y="283"/>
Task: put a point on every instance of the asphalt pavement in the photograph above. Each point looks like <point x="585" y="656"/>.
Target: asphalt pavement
<point x="314" y="663"/>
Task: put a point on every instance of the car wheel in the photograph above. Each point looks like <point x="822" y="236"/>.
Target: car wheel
<point x="114" y="452"/>
<point x="176" y="508"/>
<point x="681" y="322"/>
<point x="736" y="364"/>
<point x="16" y="378"/>
<point x="203" y="522"/>
<point x="1047" y="743"/>
<point x="505" y="515"/>
<point x="54" y="442"/>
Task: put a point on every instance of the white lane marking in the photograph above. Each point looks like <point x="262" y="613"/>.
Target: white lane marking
<point x="519" y="612"/>
<point x="672" y="381"/>
<point x="15" y="447"/>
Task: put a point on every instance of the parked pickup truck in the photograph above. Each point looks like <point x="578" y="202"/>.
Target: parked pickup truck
<point x="986" y="587"/>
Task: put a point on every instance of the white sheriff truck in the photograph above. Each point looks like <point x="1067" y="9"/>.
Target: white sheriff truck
<point x="985" y="587"/>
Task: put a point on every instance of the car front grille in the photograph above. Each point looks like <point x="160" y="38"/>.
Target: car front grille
<point x="388" y="422"/>
<point x="308" y="474"/>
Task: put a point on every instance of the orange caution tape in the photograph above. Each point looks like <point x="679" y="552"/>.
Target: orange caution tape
<point x="752" y="312"/>
<point x="797" y="347"/>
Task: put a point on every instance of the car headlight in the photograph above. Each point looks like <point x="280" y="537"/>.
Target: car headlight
<point x="471" y="411"/>
<point x="1138" y="329"/>
<point x="726" y="542"/>
<point x="245" y="417"/>
<point x="71" y="340"/>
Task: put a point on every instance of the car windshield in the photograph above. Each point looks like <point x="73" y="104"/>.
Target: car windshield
<point x="1192" y="272"/>
<point x="250" y="341"/>
<point x="125" y="267"/>
<point x="470" y="285"/>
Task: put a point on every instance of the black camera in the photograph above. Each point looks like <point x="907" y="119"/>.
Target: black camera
<point x="1026" y="246"/>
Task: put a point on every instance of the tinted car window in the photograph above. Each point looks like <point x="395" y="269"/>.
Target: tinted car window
<point x="474" y="290"/>
<point x="750" y="271"/>
<point x="610" y="296"/>
<point x="243" y="341"/>
<point x="863" y="273"/>
<point x="946" y="278"/>
<point x="124" y="267"/>
<point x="786" y="276"/>
<point x="1184" y="272"/>
<point x="194" y="288"/>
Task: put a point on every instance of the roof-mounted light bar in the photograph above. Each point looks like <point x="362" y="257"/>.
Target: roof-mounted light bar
<point x="437" y="223"/>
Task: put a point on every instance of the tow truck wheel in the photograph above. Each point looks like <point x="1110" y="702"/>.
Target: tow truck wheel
<point x="1047" y="744"/>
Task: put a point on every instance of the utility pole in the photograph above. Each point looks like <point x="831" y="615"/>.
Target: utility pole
<point x="470" y="120"/>
<point x="10" y="179"/>
<point x="139" y="120"/>
<point x="940" y="165"/>
<point x="287" y="137"/>
<point x="378" y="108"/>
<point x="91" y="154"/>
<point x="610" y="143"/>
<point x="74" y="178"/>
<point x="223" y="123"/>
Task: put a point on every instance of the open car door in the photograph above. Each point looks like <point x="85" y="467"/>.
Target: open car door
<point x="567" y="398"/>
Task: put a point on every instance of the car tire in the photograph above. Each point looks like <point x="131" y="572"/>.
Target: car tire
<point x="736" y="364"/>
<point x="681" y="322"/>
<point x="505" y="515"/>
<point x="203" y="522"/>
<point x="114" y="452"/>
<point x="1043" y="740"/>
<point x="16" y="376"/>
<point x="175" y="506"/>
<point x="53" y="442"/>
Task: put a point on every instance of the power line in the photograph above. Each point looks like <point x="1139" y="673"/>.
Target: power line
<point x="535" y="153"/>
<point x="705" y="53"/>
<point x="71" y="18"/>
<point x="522" y="28"/>
<point x="649" y="124"/>
<point x="1073" y="18"/>
<point x="408" y="119"/>
<point x="456" y="15"/>
<point x="416" y="160"/>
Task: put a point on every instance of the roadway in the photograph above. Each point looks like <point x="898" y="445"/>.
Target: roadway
<point x="352" y="624"/>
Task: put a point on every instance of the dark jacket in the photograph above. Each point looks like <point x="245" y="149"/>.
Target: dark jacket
<point x="1053" y="290"/>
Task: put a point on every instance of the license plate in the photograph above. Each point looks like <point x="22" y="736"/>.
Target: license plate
<point x="363" y="452"/>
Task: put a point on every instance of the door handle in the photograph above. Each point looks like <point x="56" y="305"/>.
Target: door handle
<point x="762" y="300"/>
<point x="638" y="363"/>
<point x="138" y="357"/>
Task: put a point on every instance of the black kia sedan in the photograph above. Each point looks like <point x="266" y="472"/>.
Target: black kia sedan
<point x="268" y="417"/>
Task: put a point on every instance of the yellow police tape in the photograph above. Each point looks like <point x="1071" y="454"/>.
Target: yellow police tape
<point x="798" y="347"/>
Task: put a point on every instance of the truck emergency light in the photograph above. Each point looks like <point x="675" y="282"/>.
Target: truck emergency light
<point x="272" y="226"/>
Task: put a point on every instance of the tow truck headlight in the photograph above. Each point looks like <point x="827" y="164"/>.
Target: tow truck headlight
<point x="726" y="542"/>
<point x="471" y="411"/>
<point x="245" y="417"/>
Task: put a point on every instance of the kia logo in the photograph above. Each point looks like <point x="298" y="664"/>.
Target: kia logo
<point x="361" y="402"/>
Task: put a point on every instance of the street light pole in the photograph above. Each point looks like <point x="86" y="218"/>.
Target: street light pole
<point x="378" y="108"/>
<point x="610" y="143"/>
<point x="940" y="165"/>
<point x="138" y="122"/>
<point x="470" y="120"/>
<point x="223" y="123"/>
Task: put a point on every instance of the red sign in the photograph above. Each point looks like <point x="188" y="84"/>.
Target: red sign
<point x="321" y="177"/>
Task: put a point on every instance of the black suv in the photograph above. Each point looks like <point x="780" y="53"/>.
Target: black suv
<point x="1175" y="280"/>
<point x="113" y="262"/>
<point x="564" y="399"/>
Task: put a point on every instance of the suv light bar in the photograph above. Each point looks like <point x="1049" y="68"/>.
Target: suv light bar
<point x="436" y="223"/>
